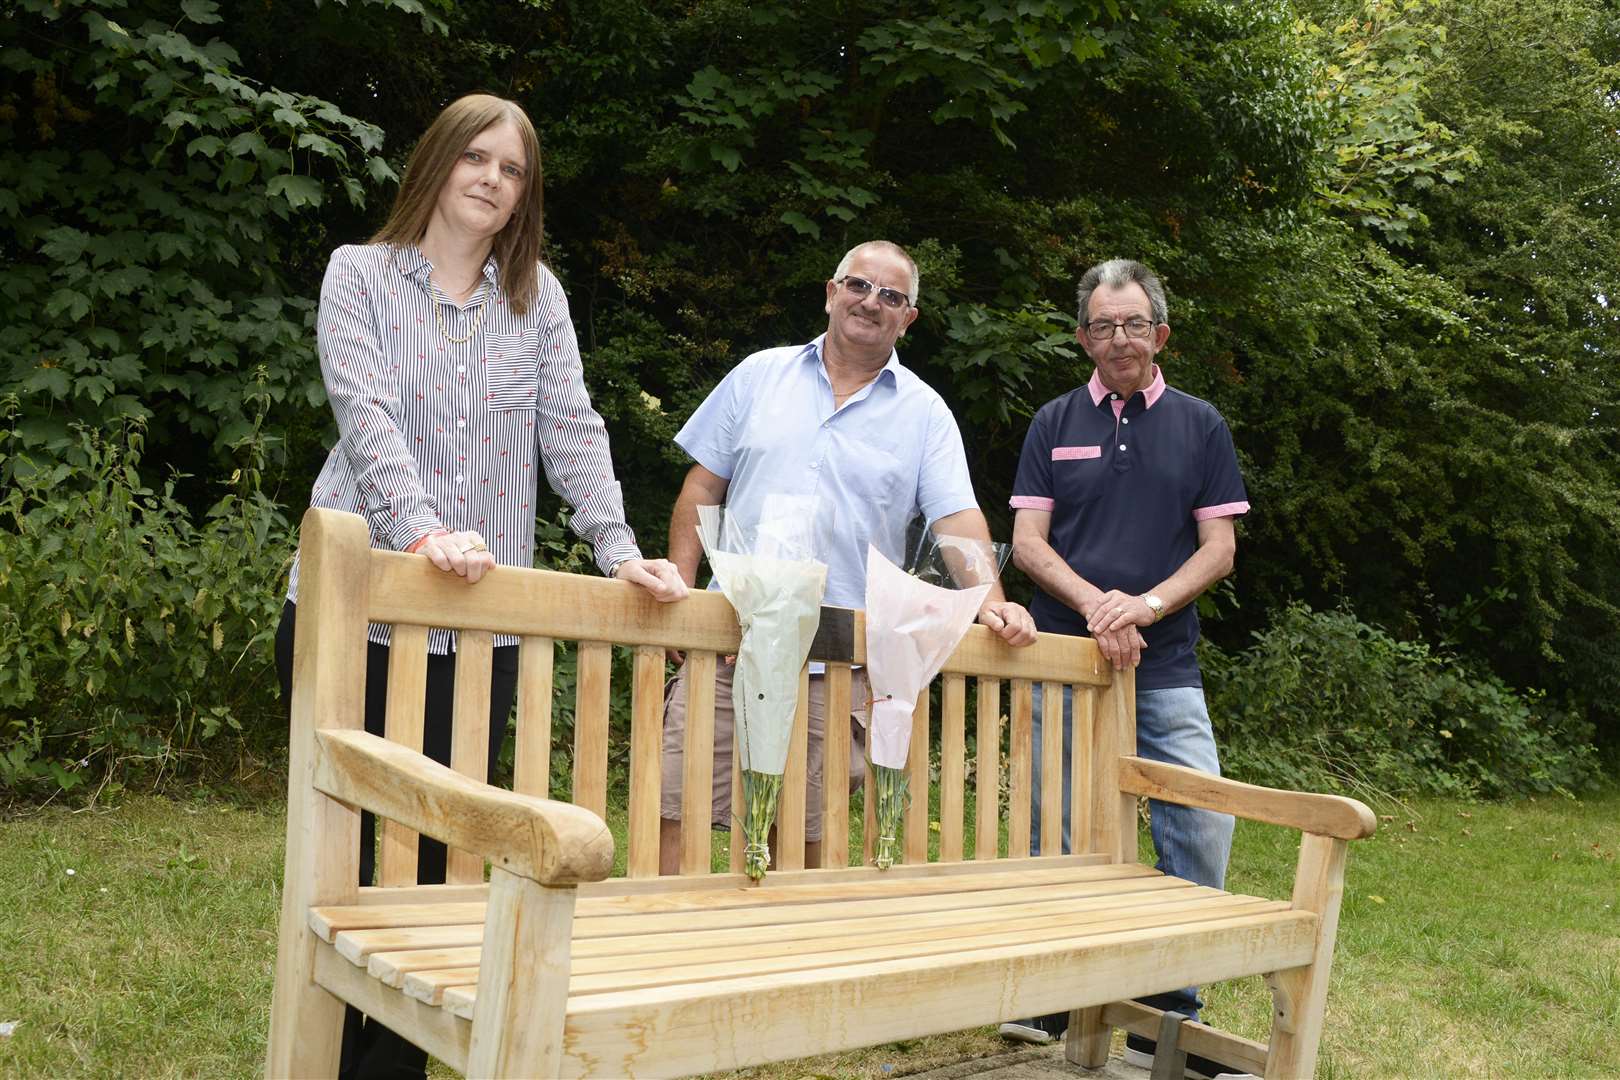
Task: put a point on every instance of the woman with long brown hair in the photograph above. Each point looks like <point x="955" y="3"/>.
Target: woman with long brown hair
<point x="455" y="378"/>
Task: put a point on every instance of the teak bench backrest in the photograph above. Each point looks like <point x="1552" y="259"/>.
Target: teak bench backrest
<point x="542" y="607"/>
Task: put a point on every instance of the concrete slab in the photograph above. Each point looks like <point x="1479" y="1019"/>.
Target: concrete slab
<point x="1031" y="1063"/>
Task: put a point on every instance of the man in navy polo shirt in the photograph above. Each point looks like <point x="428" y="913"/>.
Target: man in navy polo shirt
<point x="1126" y="494"/>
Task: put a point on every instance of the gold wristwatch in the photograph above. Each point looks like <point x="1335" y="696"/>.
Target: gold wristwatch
<point x="1155" y="605"/>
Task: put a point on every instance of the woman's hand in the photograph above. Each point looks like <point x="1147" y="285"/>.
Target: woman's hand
<point x="658" y="576"/>
<point x="461" y="553"/>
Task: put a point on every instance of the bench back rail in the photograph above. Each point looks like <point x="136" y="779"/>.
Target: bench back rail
<point x="544" y="609"/>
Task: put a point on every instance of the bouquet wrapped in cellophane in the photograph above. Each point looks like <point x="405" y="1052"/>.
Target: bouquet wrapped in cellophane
<point x="913" y="623"/>
<point x="773" y="574"/>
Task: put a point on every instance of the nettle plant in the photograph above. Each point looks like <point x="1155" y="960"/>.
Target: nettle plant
<point x="149" y="196"/>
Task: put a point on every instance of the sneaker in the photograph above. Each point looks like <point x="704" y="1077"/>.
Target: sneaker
<point x="1139" y="1050"/>
<point x="1039" y="1030"/>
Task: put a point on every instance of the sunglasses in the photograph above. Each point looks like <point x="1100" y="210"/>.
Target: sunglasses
<point x="860" y="288"/>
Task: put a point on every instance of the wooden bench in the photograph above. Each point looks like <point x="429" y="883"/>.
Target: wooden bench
<point x="555" y="968"/>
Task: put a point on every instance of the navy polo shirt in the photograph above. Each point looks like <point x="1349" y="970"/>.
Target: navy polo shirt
<point x="1126" y="484"/>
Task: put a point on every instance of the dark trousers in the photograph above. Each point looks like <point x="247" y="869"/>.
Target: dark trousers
<point x="369" y="1049"/>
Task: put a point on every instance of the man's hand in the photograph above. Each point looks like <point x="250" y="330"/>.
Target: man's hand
<point x="460" y="553"/>
<point x="658" y="576"/>
<point x="1015" y="625"/>
<point x="1116" y="611"/>
<point x="1114" y="619"/>
<point x="1122" y="648"/>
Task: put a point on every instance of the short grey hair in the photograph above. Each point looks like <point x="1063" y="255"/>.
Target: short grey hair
<point x="891" y="248"/>
<point x="1116" y="274"/>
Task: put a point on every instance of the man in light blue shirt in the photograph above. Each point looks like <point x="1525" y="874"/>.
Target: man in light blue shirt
<point x="840" y="419"/>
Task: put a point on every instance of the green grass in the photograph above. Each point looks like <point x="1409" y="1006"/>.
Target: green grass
<point x="1476" y="940"/>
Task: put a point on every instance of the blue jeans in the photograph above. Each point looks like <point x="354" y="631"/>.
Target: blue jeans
<point x="1172" y="725"/>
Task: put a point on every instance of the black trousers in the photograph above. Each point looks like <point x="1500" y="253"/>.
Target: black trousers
<point x="369" y="1049"/>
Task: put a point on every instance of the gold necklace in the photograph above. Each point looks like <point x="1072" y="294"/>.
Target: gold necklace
<point x="478" y="320"/>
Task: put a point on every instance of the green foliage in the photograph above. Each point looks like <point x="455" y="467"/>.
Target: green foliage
<point x="151" y="205"/>
<point x="1321" y="700"/>
<point x="1377" y="65"/>
<point x="1385" y="228"/>
<point x="131" y="638"/>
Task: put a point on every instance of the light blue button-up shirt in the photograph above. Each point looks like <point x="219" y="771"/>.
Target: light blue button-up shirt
<point x="891" y="453"/>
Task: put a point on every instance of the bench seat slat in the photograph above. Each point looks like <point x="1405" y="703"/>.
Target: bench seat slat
<point x="1252" y="940"/>
<point x="619" y="952"/>
<point x="360" y="931"/>
<point x="358" y="945"/>
<point x="392" y="966"/>
<point x="713" y="898"/>
<point x="437" y="963"/>
<point x="327" y="921"/>
<point x="430" y="986"/>
<point x="832" y="934"/>
<point x="954" y="941"/>
<point x="782" y="914"/>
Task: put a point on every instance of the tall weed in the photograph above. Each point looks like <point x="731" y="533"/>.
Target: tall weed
<point x="131" y="636"/>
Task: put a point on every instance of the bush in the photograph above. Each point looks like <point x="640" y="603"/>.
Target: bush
<point x="1321" y="699"/>
<point x="130" y="637"/>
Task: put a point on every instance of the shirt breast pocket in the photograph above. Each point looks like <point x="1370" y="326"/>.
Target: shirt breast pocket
<point x="512" y="368"/>
<point x="1077" y="474"/>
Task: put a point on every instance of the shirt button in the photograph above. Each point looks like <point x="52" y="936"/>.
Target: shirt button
<point x="461" y="367"/>
<point x="459" y="478"/>
<point x="815" y="464"/>
<point x="1113" y="397"/>
<point x="1122" y="446"/>
<point x="1124" y="419"/>
<point x="461" y="423"/>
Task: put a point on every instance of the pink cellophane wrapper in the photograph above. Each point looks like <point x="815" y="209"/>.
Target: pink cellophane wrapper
<point x="911" y="628"/>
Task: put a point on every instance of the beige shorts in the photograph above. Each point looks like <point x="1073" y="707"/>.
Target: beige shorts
<point x="675" y="741"/>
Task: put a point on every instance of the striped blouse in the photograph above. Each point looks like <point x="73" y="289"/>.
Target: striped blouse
<point x="438" y="434"/>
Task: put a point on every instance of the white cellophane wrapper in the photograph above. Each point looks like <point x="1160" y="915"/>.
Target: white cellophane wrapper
<point x="911" y="628"/>
<point x="774" y="582"/>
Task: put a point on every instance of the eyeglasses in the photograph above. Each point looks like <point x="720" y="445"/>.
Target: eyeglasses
<point x="861" y="288"/>
<point x="1103" y="329"/>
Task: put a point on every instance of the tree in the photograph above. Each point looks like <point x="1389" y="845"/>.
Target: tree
<point x="155" y="220"/>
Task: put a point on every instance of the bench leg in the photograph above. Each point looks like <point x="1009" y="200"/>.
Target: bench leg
<point x="1300" y="994"/>
<point x="306" y="1022"/>
<point x="522" y="979"/>
<point x="1088" y="1039"/>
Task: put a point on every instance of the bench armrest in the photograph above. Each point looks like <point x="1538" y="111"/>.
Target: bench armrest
<point x="1324" y="815"/>
<point x="553" y="843"/>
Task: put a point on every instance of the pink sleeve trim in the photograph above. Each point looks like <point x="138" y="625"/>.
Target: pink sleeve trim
<point x="1031" y="502"/>
<point x="1204" y="513"/>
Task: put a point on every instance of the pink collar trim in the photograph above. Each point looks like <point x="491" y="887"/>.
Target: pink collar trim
<point x="1154" y="391"/>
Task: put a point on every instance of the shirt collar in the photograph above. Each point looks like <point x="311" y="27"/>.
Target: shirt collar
<point x="412" y="263"/>
<point x="812" y="352"/>
<point x="1154" y="391"/>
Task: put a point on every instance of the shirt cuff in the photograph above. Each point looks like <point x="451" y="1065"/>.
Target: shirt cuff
<point x="408" y="530"/>
<point x="613" y="549"/>
<point x="1232" y="509"/>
